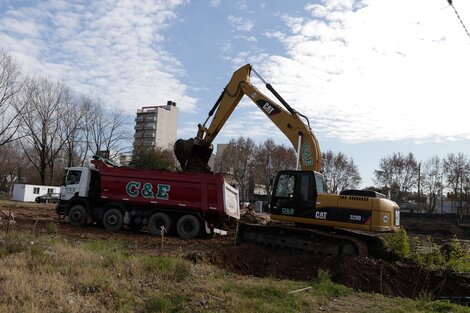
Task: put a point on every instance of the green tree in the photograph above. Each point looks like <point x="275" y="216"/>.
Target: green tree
<point x="153" y="158"/>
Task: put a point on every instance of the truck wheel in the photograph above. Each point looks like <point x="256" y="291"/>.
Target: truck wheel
<point x="78" y="215"/>
<point x="158" y="220"/>
<point x="113" y="220"/>
<point x="188" y="226"/>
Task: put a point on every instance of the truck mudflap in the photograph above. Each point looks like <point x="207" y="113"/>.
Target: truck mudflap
<point x="307" y="240"/>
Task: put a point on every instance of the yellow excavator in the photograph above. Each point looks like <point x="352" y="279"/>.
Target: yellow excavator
<point x="308" y="218"/>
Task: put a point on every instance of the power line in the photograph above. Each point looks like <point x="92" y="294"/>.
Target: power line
<point x="458" y="16"/>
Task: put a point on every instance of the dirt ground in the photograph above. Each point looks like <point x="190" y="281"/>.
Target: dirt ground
<point x="361" y="273"/>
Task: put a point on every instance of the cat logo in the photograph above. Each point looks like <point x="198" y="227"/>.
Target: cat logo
<point x="320" y="215"/>
<point x="268" y="108"/>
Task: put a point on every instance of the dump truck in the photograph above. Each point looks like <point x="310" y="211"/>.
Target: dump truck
<point x="186" y="203"/>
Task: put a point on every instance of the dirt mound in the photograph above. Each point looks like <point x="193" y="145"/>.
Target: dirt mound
<point x="360" y="273"/>
<point x="248" y="215"/>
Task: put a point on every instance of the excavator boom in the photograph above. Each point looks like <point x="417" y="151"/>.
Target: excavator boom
<point x="193" y="154"/>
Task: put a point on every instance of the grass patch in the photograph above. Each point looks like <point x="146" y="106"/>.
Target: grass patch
<point x="53" y="275"/>
<point x="159" y="264"/>
<point x="268" y="297"/>
<point x="52" y="228"/>
<point x="11" y="246"/>
<point x="440" y="306"/>
<point x="104" y="246"/>
<point x="112" y="252"/>
<point x="174" y="269"/>
<point x="166" y="303"/>
<point x="324" y="286"/>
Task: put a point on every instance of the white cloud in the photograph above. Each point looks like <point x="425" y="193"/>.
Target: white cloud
<point x="215" y="3"/>
<point x="111" y="49"/>
<point x="376" y="70"/>
<point x="241" y="24"/>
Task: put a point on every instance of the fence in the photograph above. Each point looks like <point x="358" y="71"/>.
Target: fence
<point x="446" y="217"/>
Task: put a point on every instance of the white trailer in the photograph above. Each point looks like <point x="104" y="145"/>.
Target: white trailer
<point x="28" y="193"/>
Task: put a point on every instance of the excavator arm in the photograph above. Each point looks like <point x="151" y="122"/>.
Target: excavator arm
<point x="194" y="154"/>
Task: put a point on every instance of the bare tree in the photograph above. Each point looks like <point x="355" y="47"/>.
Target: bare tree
<point x="104" y="130"/>
<point x="73" y="116"/>
<point x="12" y="166"/>
<point x="10" y="85"/>
<point x="399" y="173"/>
<point x="432" y="180"/>
<point x="340" y="172"/>
<point x="269" y="159"/>
<point x="238" y="156"/>
<point x="457" y="171"/>
<point x="42" y="123"/>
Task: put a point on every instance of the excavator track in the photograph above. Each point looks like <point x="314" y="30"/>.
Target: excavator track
<point x="309" y="240"/>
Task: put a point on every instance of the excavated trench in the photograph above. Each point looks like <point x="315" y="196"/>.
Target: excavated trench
<point x="361" y="273"/>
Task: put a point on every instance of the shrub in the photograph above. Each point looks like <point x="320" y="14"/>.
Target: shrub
<point x="51" y="228"/>
<point x="399" y="243"/>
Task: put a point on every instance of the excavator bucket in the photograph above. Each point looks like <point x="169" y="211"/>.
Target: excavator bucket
<point x="192" y="156"/>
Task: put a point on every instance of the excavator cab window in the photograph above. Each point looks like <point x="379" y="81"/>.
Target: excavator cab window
<point x="298" y="185"/>
<point x="285" y="186"/>
<point x="320" y="183"/>
<point x="305" y="188"/>
<point x="294" y="193"/>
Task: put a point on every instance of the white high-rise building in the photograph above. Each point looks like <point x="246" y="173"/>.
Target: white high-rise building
<point x="155" y="126"/>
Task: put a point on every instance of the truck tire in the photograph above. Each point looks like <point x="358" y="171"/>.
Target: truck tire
<point x="188" y="226"/>
<point x="113" y="219"/>
<point x="158" y="220"/>
<point x="78" y="215"/>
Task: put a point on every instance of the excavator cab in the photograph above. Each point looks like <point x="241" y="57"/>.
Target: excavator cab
<point x="295" y="192"/>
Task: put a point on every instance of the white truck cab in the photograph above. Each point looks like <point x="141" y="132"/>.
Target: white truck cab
<point x="76" y="182"/>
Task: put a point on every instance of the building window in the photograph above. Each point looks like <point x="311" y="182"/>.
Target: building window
<point x="149" y="134"/>
<point x="35" y="190"/>
<point x="149" y="143"/>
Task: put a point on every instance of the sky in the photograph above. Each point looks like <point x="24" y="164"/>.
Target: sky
<point x="373" y="77"/>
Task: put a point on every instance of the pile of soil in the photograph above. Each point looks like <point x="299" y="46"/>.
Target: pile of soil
<point x="360" y="273"/>
<point x="249" y="216"/>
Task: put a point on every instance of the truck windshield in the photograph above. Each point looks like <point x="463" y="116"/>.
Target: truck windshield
<point x="73" y="177"/>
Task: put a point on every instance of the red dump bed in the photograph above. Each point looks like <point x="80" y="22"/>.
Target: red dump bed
<point x="205" y="193"/>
